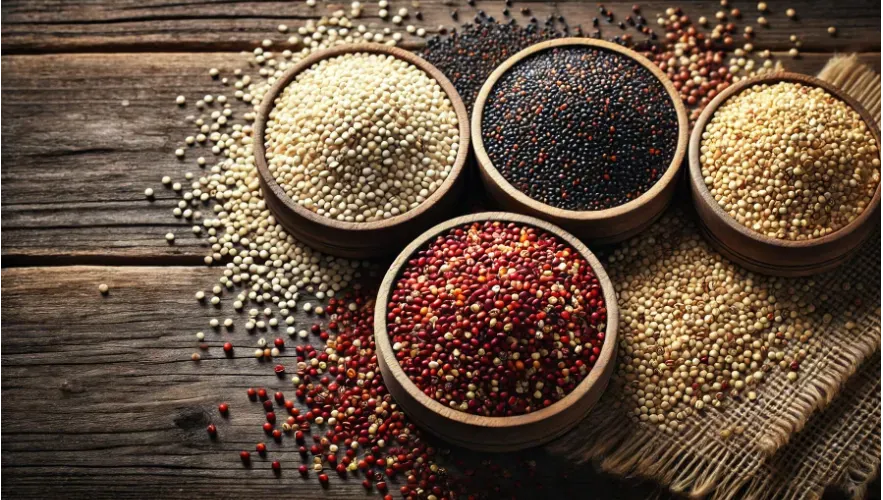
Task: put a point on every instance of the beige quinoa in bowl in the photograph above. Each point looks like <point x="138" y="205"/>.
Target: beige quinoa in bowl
<point x="789" y="161"/>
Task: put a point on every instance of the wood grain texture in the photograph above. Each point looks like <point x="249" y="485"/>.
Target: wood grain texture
<point x="75" y="162"/>
<point x="102" y="400"/>
<point x="101" y="397"/>
<point x="209" y="25"/>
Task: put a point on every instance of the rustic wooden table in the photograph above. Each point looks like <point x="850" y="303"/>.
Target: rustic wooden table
<point x="101" y="396"/>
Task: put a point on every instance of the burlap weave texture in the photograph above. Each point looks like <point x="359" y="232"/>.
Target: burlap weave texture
<point x="840" y="446"/>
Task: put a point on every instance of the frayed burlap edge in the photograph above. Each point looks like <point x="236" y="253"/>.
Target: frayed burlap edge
<point x="698" y="469"/>
<point x="628" y="450"/>
<point x="861" y="471"/>
<point x="821" y="390"/>
<point x="838" y="445"/>
<point x="863" y="84"/>
<point x="688" y="465"/>
<point x="858" y="80"/>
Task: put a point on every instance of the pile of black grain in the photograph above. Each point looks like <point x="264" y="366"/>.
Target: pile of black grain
<point x="580" y="128"/>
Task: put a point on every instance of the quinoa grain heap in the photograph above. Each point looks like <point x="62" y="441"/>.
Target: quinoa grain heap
<point x="469" y="53"/>
<point x="697" y="330"/>
<point x="362" y="137"/>
<point x="790" y="161"/>
<point x="580" y="128"/>
<point x="497" y="319"/>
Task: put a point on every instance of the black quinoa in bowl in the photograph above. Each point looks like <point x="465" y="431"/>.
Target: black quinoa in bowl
<point x="580" y="128"/>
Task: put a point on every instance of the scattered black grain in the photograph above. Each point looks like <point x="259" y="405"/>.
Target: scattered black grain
<point x="469" y="55"/>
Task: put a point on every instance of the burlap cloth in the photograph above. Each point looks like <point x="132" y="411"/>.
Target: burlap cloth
<point x="839" y="446"/>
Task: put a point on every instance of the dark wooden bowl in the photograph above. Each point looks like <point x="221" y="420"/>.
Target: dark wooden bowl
<point x="592" y="226"/>
<point x="360" y="239"/>
<point x="759" y="252"/>
<point x="495" y="434"/>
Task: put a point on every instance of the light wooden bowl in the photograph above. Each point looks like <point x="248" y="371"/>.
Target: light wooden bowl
<point x="592" y="226"/>
<point x="360" y="239"/>
<point x="759" y="252"/>
<point x="495" y="434"/>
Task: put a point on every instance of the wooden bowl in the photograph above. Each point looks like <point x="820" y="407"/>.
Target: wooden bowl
<point x="759" y="252"/>
<point x="592" y="226"/>
<point x="359" y="239"/>
<point x="495" y="434"/>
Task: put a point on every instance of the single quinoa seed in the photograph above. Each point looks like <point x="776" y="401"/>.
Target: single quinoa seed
<point x="580" y="128"/>
<point x="789" y="161"/>
<point x="362" y="137"/>
<point x="517" y="319"/>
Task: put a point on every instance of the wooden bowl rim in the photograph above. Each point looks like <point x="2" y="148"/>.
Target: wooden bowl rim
<point x="384" y="346"/>
<point x="580" y="215"/>
<point x="268" y="103"/>
<point x="698" y="181"/>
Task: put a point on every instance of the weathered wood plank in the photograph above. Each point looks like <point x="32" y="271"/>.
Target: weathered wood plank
<point x="131" y="25"/>
<point x="102" y="398"/>
<point x="76" y="161"/>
